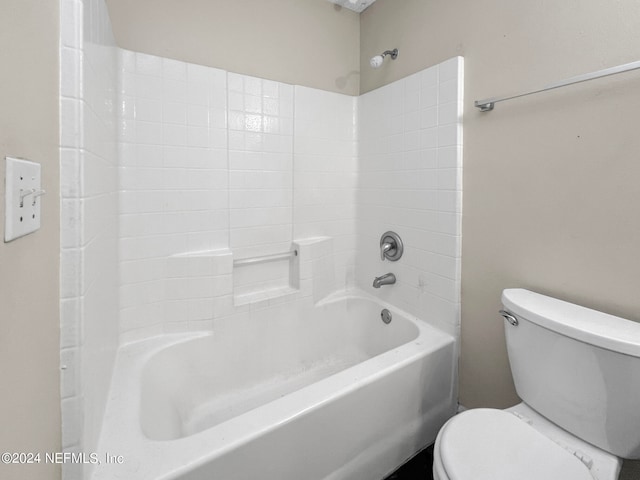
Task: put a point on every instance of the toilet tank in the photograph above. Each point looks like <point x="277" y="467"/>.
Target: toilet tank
<point x="578" y="367"/>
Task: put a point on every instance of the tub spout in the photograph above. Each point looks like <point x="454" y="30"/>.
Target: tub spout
<point x="386" y="279"/>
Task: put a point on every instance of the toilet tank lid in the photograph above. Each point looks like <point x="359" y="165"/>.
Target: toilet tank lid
<point x="584" y="324"/>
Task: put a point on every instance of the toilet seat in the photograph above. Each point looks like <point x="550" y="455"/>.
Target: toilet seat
<point x="488" y="444"/>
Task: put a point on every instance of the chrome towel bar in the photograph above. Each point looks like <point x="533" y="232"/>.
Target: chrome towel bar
<point x="265" y="258"/>
<point x="488" y="104"/>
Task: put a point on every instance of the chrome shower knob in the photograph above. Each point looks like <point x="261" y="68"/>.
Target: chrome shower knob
<point x="391" y="246"/>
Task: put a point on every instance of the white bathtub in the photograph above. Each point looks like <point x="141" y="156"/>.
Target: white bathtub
<point x="331" y="394"/>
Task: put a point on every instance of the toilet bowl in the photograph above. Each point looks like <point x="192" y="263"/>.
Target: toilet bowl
<point x="578" y="374"/>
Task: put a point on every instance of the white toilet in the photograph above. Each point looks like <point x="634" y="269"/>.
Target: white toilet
<point x="578" y="373"/>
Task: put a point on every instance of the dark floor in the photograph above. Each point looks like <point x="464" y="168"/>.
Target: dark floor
<point x="418" y="468"/>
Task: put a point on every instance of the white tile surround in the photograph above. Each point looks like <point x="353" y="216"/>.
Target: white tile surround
<point x="170" y="171"/>
<point x="173" y="181"/>
<point x="209" y="163"/>
<point x="325" y="175"/>
<point x="89" y="230"/>
<point x="260" y="182"/>
<point x="410" y="182"/>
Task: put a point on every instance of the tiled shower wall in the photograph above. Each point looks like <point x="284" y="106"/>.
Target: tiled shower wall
<point x="325" y="176"/>
<point x="285" y="166"/>
<point x="410" y="182"/>
<point x="260" y="165"/>
<point x="89" y="229"/>
<point x="173" y="178"/>
<point x="226" y="166"/>
<point x="260" y="180"/>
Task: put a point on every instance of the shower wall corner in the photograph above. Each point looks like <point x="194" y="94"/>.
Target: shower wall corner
<point x="88" y="223"/>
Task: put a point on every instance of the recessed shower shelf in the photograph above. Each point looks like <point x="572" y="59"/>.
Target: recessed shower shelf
<point x="265" y="258"/>
<point x="282" y="293"/>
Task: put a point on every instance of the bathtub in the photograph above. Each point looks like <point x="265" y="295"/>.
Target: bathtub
<point x="330" y="393"/>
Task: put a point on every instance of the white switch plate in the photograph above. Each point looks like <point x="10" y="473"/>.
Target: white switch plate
<point x="23" y="195"/>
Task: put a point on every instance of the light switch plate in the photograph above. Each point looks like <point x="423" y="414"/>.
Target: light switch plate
<point x="23" y="194"/>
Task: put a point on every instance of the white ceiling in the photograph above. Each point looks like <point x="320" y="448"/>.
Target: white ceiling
<point x="355" y="5"/>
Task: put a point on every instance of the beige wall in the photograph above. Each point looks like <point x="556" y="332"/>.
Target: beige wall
<point x="551" y="182"/>
<point x="302" y="42"/>
<point x="29" y="318"/>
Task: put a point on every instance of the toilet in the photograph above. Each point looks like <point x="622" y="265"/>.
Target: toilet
<point x="577" y="372"/>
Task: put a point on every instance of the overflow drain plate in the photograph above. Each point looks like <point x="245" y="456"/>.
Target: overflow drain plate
<point x="385" y="315"/>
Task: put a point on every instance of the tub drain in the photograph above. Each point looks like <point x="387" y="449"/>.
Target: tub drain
<point x="385" y="315"/>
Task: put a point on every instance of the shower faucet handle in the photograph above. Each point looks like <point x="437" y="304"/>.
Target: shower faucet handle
<point x="391" y="246"/>
<point x="384" y="248"/>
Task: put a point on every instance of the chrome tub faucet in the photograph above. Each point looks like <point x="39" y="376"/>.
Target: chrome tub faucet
<point x="386" y="279"/>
